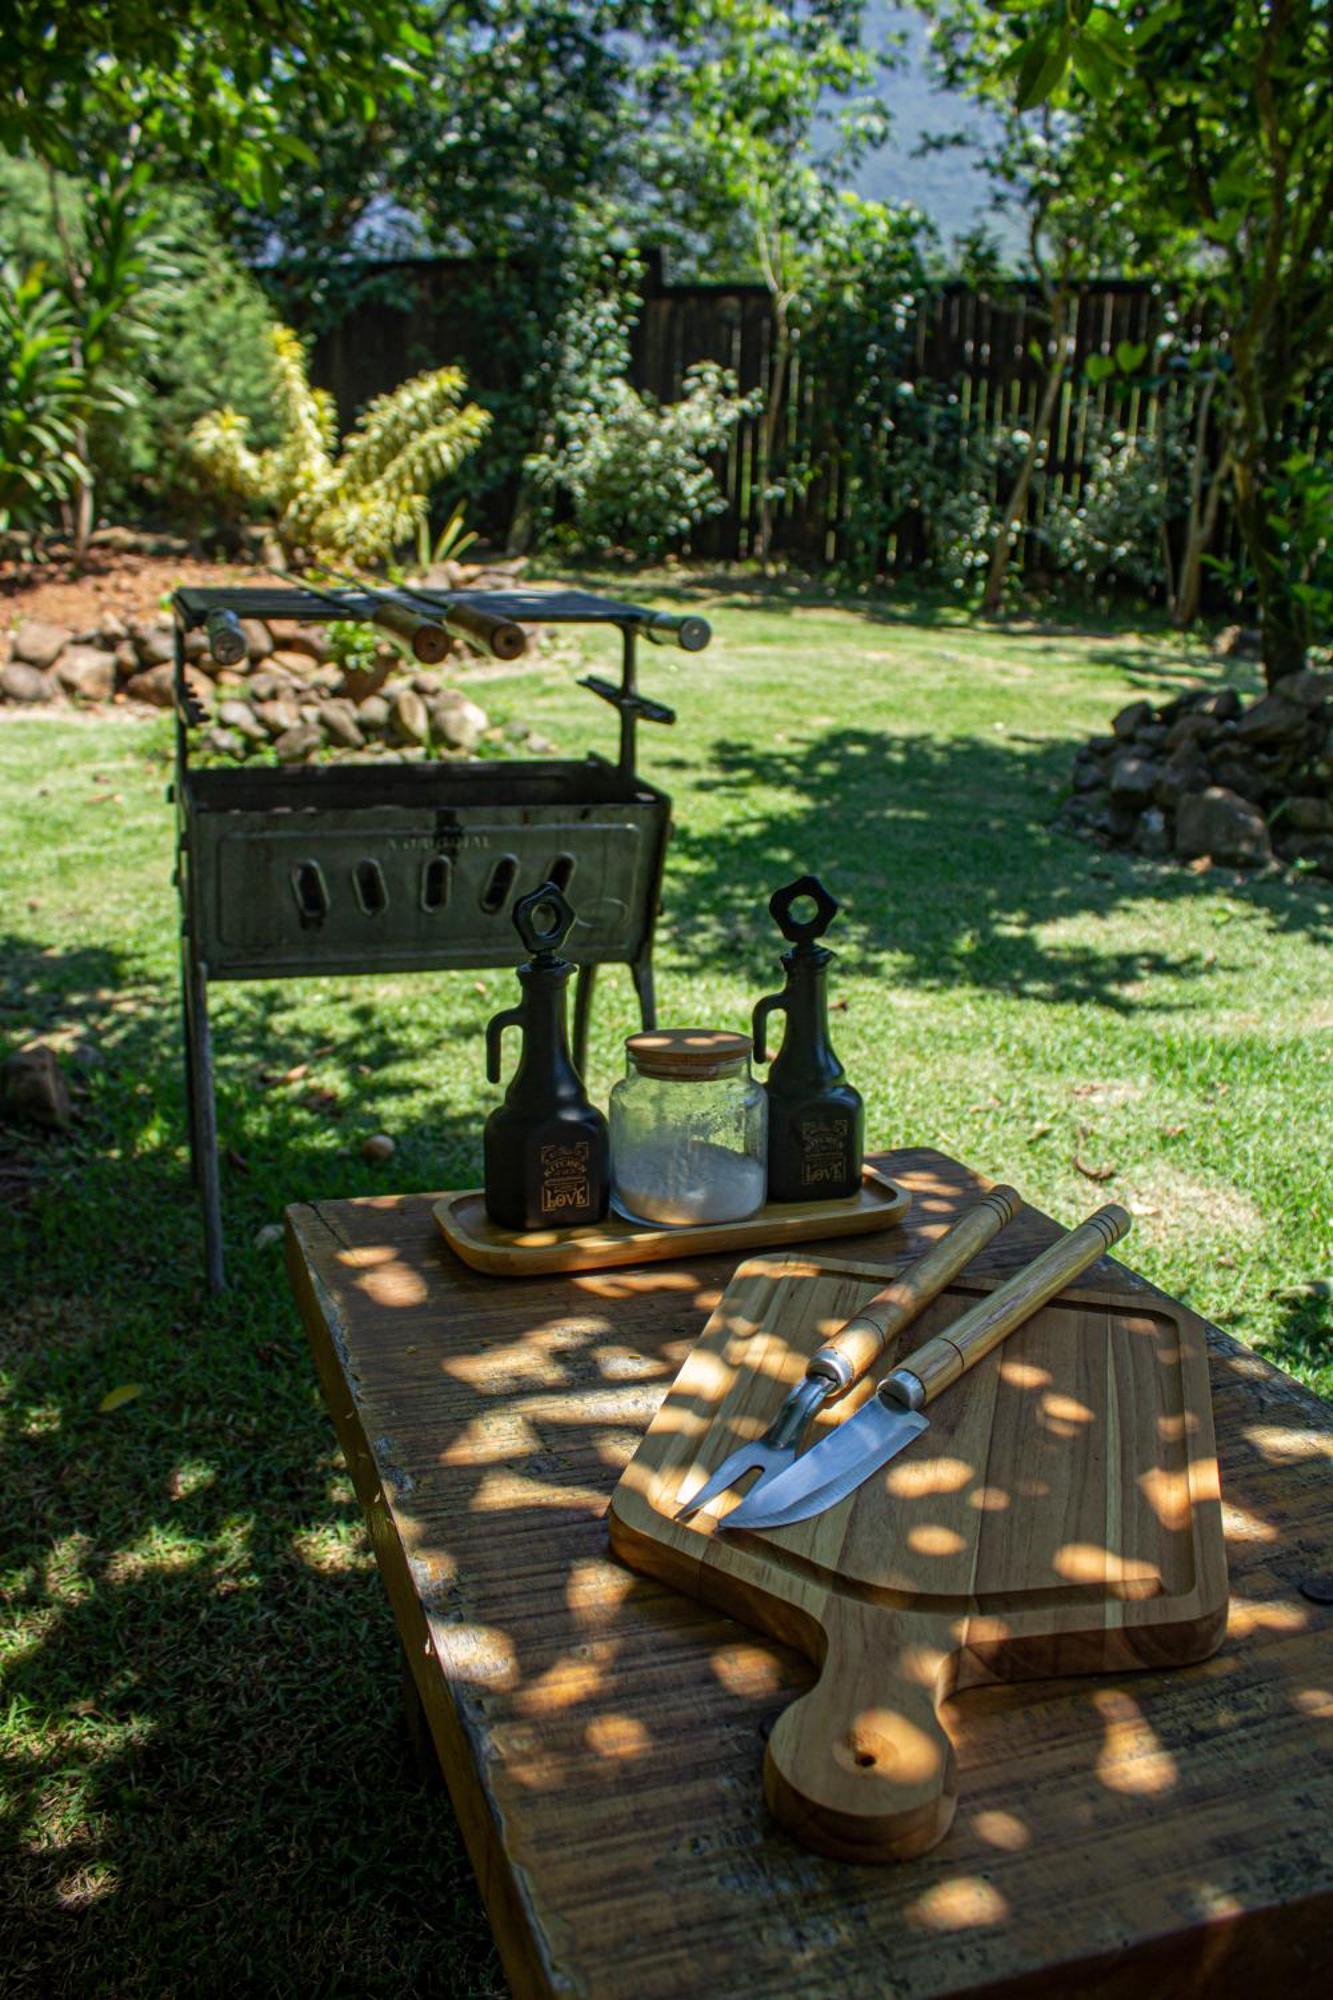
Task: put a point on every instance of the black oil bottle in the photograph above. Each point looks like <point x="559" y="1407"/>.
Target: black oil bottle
<point x="816" y="1121"/>
<point x="547" y="1157"/>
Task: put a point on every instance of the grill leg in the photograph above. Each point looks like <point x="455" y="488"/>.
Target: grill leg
<point x="641" y="971"/>
<point x="583" y="985"/>
<point x="203" y="1120"/>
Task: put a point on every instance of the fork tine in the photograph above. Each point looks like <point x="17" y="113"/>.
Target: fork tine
<point x="747" y="1458"/>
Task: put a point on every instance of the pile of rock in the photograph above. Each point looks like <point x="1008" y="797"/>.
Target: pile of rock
<point x="289" y="694"/>
<point x="1204" y="776"/>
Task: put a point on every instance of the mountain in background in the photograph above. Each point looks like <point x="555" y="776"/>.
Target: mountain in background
<point x="951" y="187"/>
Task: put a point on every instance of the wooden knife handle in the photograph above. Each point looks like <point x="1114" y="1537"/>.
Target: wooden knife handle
<point x="426" y="636"/>
<point x="501" y="637"/>
<point x="861" y="1342"/>
<point x="942" y="1360"/>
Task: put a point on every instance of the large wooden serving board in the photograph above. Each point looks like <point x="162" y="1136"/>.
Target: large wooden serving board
<point x="1060" y="1516"/>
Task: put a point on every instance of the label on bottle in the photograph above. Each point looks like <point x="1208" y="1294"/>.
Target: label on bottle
<point x="824" y="1149"/>
<point x="565" y="1178"/>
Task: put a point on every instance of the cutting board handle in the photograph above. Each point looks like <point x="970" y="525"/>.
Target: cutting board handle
<point x="868" y="1782"/>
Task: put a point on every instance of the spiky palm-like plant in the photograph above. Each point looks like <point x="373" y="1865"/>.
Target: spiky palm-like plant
<point x="358" y="504"/>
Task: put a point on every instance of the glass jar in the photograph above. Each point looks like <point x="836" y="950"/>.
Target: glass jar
<point x="689" y="1130"/>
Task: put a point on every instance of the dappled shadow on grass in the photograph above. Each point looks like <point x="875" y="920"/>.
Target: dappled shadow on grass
<point x="948" y="855"/>
<point x="209" y="1788"/>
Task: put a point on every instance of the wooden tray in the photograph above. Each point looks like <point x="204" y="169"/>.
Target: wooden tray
<point x="1060" y="1516"/>
<point x="879" y="1204"/>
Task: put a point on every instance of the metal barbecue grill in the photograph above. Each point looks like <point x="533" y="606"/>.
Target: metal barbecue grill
<point x="368" y="868"/>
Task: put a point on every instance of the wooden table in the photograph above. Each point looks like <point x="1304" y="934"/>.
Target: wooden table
<point x="602" y="1737"/>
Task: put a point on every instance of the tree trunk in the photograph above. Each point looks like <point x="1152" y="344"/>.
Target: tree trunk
<point x="768" y="435"/>
<point x="1015" y="507"/>
<point x="1281" y="622"/>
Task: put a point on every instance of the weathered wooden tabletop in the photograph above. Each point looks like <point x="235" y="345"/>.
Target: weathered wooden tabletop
<point x="602" y="1737"/>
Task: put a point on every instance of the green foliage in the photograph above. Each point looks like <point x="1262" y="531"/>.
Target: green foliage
<point x="363" y="503"/>
<point x="214" y="87"/>
<point x="43" y="399"/>
<point x="1300" y="518"/>
<point x="627" y="472"/>
<point x="172" y="322"/>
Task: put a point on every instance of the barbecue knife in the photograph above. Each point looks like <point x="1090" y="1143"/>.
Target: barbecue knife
<point x="858" y="1345"/>
<point x="893" y="1417"/>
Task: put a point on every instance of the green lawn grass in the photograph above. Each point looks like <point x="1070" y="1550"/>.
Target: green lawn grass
<point x="207" y="1786"/>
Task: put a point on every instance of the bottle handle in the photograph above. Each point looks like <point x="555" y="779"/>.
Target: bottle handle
<point x="512" y="1017"/>
<point x="772" y="1003"/>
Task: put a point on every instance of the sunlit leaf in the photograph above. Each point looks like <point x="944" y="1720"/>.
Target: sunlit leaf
<point x="115" y="1399"/>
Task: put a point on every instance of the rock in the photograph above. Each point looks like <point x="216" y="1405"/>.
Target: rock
<point x="1309" y="688"/>
<point x="372" y="714"/>
<point x="224" y="742"/>
<point x="1134" y="779"/>
<point x="1183" y="772"/>
<point x="409" y="719"/>
<point x="1151" y="737"/>
<point x="258" y="638"/>
<point x="267" y="684"/>
<point x="240" y="716"/>
<point x="339" y="723"/>
<point x="155" y="685"/>
<point x="196" y="647"/>
<point x="377" y="1148"/>
<point x="1150" y="835"/>
<point x="20" y="682"/>
<point x="541" y="746"/>
<point x="155" y="644"/>
<point x="1191" y="727"/>
<point x="1239" y="642"/>
<point x="1136" y="716"/>
<point x="296" y="664"/>
<point x="127" y="660"/>
<point x="1308" y="815"/>
<point x="1273" y="720"/>
<point x="456" y="722"/>
<point x="278" y="716"/>
<point x="1223" y="704"/>
<point x="269" y="1236"/>
<point x="310" y="640"/>
<point x="1088" y="778"/>
<point x="295" y="745"/>
<point x="112" y="627"/>
<point x="37" y="643"/>
<point x="33" y="1090"/>
<point x="88" y="672"/>
<point x="1220" y="823"/>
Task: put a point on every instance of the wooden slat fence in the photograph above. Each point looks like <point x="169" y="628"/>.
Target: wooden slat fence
<point x="985" y="351"/>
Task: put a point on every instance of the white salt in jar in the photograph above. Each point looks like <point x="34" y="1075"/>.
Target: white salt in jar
<point x="689" y="1129"/>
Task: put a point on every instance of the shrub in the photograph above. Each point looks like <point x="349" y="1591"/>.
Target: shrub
<point x="43" y="400"/>
<point x="360" y="504"/>
<point x="635" y="473"/>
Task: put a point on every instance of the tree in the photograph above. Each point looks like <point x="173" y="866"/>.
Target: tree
<point x="744" y="93"/>
<point x="207" y="82"/>
<point x="1211" y="121"/>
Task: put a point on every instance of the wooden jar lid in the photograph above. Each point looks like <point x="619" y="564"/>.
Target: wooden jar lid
<point x="692" y="1054"/>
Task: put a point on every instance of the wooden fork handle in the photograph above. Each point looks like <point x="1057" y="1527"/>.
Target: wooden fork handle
<point x="942" y="1360"/>
<point x="859" y="1344"/>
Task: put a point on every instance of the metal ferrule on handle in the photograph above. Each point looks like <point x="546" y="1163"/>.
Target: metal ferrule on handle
<point x="942" y="1360"/>
<point x="859" y="1344"/>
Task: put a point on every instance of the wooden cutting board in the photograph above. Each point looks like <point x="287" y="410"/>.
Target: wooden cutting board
<point x="1060" y="1516"/>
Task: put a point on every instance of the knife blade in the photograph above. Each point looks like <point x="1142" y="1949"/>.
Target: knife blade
<point x="893" y="1419"/>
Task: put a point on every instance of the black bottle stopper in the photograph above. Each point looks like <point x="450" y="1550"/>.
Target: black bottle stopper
<point x="816" y="1121"/>
<point x="547" y="1155"/>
